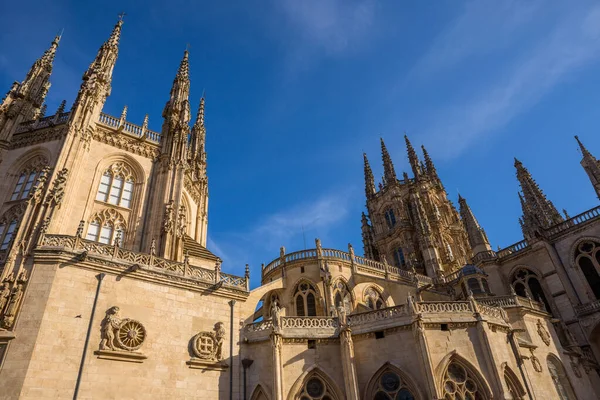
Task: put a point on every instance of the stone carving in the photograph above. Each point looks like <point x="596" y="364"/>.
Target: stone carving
<point x="57" y="192"/>
<point x="121" y="334"/>
<point x="543" y="332"/>
<point x="536" y="362"/>
<point x="169" y="218"/>
<point x="575" y="367"/>
<point x="209" y="345"/>
<point x="276" y="316"/>
<point x="181" y="221"/>
<point x="13" y="301"/>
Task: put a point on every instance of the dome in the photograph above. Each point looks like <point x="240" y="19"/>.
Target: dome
<point x="471" y="269"/>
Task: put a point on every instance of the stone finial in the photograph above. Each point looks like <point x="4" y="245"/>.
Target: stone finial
<point x="282" y="251"/>
<point x="123" y="115"/>
<point x="153" y="247"/>
<point x="369" y="178"/>
<point x="350" y="249"/>
<point x="512" y="290"/>
<point x="61" y="107"/>
<point x="247" y="271"/>
<point x="389" y="172"/>
<point x="145" y="123"/>
<point x="80" y="229"/>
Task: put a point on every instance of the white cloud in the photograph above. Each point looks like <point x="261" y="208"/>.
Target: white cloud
<point x="571" y="45"/>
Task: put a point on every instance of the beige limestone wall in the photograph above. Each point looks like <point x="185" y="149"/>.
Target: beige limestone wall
<point x="171" y="317"/>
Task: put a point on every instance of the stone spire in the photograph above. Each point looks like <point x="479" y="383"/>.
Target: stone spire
<point x="96" y="84"/>
<point x="430" y="168"/>
<point x="413" y="159"/>
<point x="24" y="100"/>
<point x="591" y="166"/>
<point x="368" y="239"/>
<point x="176" y="114"/>
<point x="369" y="178"/>
<point x="196" y="151"/>
<point x="477" y="237"/>
<point x="389" y="174"/>
<point x="538" y="212"/>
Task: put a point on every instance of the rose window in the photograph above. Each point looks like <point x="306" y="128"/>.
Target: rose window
<point x="315" y="389"/>
<point x="459" y="384"/>
<point x="391" y="387"/>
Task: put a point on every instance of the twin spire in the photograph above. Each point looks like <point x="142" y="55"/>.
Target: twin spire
<point x="419" y="169"/>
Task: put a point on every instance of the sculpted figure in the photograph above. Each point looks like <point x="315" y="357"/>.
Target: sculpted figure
<point x="219" y="338"/>
<point x="275" y="315"/>
<point x="4" y="295"/>
<point x="110" y="324"/>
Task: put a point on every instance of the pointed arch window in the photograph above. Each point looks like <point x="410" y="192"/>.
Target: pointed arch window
<point x="373" y="299"/>
<point x="107" y="227"/>
<point x="28" y="177"/>
<point x="527" y="283"/>
<point x="306" y="300"/>
<point x="315" y="387"/>
<point x="342" y="297"/>
<point x="9" y="223"/>
<point x="561" y="380"/>
<point x="514" y="386"/>
<point x="587" y="258"/>
<point x="116" y="185"/>
<point x="390" y="218"/>
<point x="390" y="386"/>
<point x="399" y="259"/>
<point x="461" y="383"/>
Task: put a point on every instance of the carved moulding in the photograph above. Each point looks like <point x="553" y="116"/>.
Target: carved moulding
<point x="121" y="338"/>
<point x="207" y="349"/>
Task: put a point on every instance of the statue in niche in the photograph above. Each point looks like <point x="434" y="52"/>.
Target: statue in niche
<point x="209" y="345"/>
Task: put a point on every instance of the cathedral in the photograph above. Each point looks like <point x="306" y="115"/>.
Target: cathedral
<point x="108" y="291"/>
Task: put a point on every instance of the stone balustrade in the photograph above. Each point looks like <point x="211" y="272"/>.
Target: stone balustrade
<point x="512" y="301"/>
<point x="144" y="260"/>
<point x="446" y="307"/>
<point x="588" y="308"/>
<point x="45" y="122"/>
<point x="135" y="130"/>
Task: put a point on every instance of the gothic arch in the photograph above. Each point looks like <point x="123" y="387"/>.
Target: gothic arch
<point x="562" y="383"/>
<point x="189" y="221"/>
<point x="331" y="389"/>
<point x="337" y="289"/>
<point x="38" y="156"/>
<point x="406" y="382"/>
<point x="513" y="383"/>
<point x="576" y="244"/>
<point x="137" y="170"/>
<point x="585" y="259"/>
<point x="318" y="297"/>
<point x="521" y="283"/>
<point x="368" y="296"/>
<point x="259" y="393"/>
<point x="450" y="368"/>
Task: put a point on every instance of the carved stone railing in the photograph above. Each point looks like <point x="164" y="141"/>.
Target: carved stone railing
<point x="43" y="122"/>
<point x="513" y="249"/>
<point x="494" y="312"/>
<point x="589" y="308"/>
<point x="450" y="307"/>
<point x="384" y="314"/>
<point x="364" y="264"/>
<point x="143" y="260"/>
<point x="309" y="322"/>
<point x="512" y="301"/>
<point x="132" y="129"/>
<point x="586" y="216"/>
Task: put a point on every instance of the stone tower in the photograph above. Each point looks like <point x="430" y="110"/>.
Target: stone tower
<point x="411" y="223"/>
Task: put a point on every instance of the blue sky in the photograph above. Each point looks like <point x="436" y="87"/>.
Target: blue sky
<point x="297" y="90"/>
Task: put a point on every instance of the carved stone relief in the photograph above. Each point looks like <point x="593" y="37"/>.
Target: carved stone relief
<point x="121" y="334"/>
<point x="209" y="345"/>
<point x="543" y="332"/>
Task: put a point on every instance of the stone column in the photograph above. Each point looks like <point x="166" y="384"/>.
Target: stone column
<point x="423" y="349"/>
<point x="348" y="365"/>
<point x="277" y="368"/>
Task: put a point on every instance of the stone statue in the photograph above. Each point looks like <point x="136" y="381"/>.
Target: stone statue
<point x="4" y="295"/>
<point x="13" y="304"/>
<point x="169" y="217"/>
<point x="219" y="338"/>
<point x="275" y="315"/>
<point x="342" y="316"/>
<point x="110" y="324"/>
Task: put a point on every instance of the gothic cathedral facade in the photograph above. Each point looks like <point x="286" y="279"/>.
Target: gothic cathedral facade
<point x="107" y="289"/>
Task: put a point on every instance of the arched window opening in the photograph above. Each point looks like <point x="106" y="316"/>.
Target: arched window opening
<point x="373" y="299"/>
<point x="514" y="386"/>
<point x="342" y="297"/>
<point x="561" y="380"/>
<point x="399" y="260"/>
<point x="587" y="258"/>
<point x="7" y="230"/>
<point x="390" y="386"/>
<point x="116" y="185"/>
<point x="259" y="394"/>
<point x="28" y="176"/>
<point x="390" y="218"/>
<point x="525" y="281"/>
<point x="306" y="303"/>
<point x="486" y="287"/>
<point x="107" y="227"/>
<point x="474" y="285"/>
<point x="461" y="383"/>
<point x="316" y="388"/>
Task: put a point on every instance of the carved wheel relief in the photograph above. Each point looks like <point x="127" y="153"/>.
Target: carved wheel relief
<point x="121" y="334"/>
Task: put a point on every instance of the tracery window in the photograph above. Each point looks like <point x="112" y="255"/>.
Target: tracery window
<point x="526" y="282"/>
<point x="9" y="223"/>
<point x="399" y="259"/>
<point x="559" y="377"/>
<point x="306" y="300"/>
<point x="474" y="285"/>
<point x="373" y="299"/>
<point x="461" y="384"/>
<point x="390" y="386"/>
<point x="390" y="218"/>
<point x="342" y="297"/>
<point x="316" y="388"/>
<point x="107" y="226"/>
<point x="587" y="258"/>
<point x="28" y="177"/>
<point x="514" y="386"/>
<point x="116" y="185"/>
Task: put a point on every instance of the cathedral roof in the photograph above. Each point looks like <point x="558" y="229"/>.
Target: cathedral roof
<point x="195" y="249"/>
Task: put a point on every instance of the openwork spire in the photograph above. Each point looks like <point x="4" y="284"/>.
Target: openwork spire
<point x="477" y="237"/>
<point x="431" y="171"/>
<point x="389" y="173"/>
<point x="591" y="166"/>
<point x="369" y="178"/>
<point x="413" y="159"/>
<point x="538" y="212"/>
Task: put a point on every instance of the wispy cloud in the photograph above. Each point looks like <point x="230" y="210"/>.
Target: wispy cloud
<point x="571" y="44"/>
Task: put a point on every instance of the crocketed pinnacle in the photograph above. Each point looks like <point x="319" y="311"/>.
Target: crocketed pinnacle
<point x="429" y="163"/>
<point x="591" y="166"/>
<point x="413" y="159"/>
<point x="477" y="237"/>
<point x="48" y="57"/>
<point x="369" y="178"/>
<point x="184" y="67"/>
<point x="538" y="211"/>
<point x="115" y="35"/>
<point x="389" y="173"/>
<point x="198" y="134"/>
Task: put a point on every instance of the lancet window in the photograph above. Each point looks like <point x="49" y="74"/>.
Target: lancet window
<point x="306" y="300"/>
<point x="390" y="386"/>
<point x="587" y="258"/>
<point x="399" y="259"/>
<point x="527" y="284"/>
<point x="461" y="383"/>
<point x="27" y="178"/>
<point x="559" y="377"/>
<point x="514" y="386"/>
<point x="390" y="218"/>
<point x="107" y="226"/>
<point x="342" y="297"/>
<point x="9" y="223"/>
<point x="373" y="299"/>
<point x="316" y="388"/>
<point x="116" y="185"/>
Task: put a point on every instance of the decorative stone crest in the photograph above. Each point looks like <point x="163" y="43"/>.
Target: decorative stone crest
<point x="543" y="332"/>
<point x="535" y="362"/>
<point x="120" y="335"/>
<point x="209" y="345"/>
